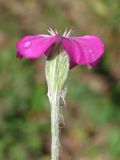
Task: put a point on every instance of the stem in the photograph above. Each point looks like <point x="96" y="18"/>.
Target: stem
<point x="55" y="130"/>
<point x="56" y="68"/>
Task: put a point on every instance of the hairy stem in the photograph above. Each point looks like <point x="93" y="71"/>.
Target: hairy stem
<point x="56" y="68"/>
<point x="55" y="130"/>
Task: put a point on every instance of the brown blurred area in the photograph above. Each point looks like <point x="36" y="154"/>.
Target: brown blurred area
<point x="92" y="114"/>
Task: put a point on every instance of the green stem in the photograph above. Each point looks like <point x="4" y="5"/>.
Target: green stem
<point x="56" y="68"/>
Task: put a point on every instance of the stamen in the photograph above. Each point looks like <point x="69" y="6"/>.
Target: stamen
<point x="51" y="31"/>
<point x="65" y="32"/>
<point x="68" y="32"/>
<point x="56" y="31"/>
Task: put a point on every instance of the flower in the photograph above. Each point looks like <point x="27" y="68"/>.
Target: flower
<point x="81" y="50"/>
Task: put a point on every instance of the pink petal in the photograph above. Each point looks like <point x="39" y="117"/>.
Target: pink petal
<point x="72" y="64"/>
<point x="84" y="49"/>
<point x="93" y="64"/>
<point x="34" y="46"/>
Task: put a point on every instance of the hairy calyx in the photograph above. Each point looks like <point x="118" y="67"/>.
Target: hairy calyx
<point x="57" y="67"/>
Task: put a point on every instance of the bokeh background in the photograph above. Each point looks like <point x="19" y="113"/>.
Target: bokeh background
<point x="92" y="114"/>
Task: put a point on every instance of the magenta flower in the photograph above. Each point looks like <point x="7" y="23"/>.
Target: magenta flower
<point x="81" y="50"/>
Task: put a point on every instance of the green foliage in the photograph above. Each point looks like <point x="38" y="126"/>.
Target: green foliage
<point x="113" y="142"/>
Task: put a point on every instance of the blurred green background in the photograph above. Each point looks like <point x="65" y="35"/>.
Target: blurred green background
<point x="92" y="114"/>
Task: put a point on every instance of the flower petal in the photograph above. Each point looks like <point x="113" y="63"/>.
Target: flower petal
<point x="34" y="46"/>
<point x="93" y="64"/>
<point x="72" y="64"/>
<point x="84" y="49"/>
